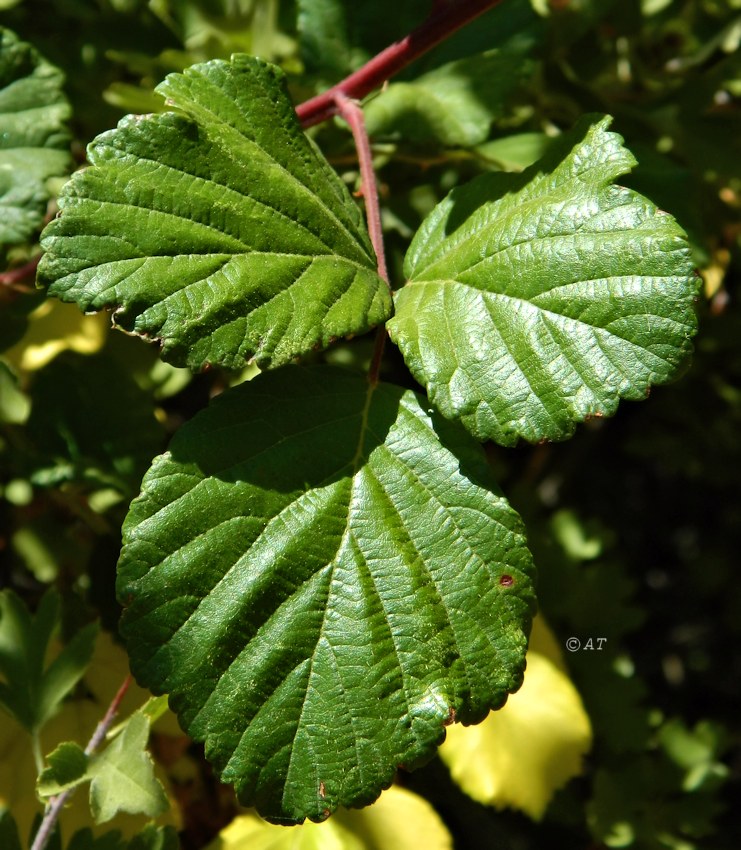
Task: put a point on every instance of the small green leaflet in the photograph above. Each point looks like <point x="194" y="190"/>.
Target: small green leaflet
<point x="34" y="140"/>
<point x="121" y="777"/>
<point x="321" y="575"/>
<point x="537" y="300"/>
<point x="67" y="767"/>
<point x="217" y="229"/>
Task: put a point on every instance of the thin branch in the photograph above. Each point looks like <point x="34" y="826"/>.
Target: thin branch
<point x="15" y="278"/>
<point x="351" y="112"/>
<point x="54" y="809"/>
<point x="105" y="724"/>
<point x="444" y="20"/>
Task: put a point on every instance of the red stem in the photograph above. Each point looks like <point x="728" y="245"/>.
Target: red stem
<point x="353" y="114"/>
<point x="14" y="277"/>
<point x="444" y="20"/>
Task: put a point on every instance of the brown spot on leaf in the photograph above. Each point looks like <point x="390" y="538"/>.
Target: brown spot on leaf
<point x="322" y="790"/>
<point x="450" y="719"/>
<point x="506" y="580"/>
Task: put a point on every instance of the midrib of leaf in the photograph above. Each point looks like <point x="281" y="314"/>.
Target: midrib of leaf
<point x="126" y="779"/>
<point x="357" y="460"/>
<point x="358" y="456"/>
<point x="418" y="561"/>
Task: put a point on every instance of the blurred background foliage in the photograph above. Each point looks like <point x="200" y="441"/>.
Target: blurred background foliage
<point x="635" y="524"/>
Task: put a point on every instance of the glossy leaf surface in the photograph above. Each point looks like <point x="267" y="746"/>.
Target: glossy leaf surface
<point x="322" y="576"/>
<point x="537" y="300"/>
<point x="34" y="140"/>
<point x="219" y="229"/>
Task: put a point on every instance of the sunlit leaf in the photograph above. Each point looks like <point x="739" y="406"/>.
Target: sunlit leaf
<point x="34" y="140"/>
<point x="67" y="767"/>
<point x="398" y="819"/>
<point x="520" y="755"/>
<point x="122" y="776"/>
<point x="52" y="328"/>
<point x="322" y="575"/>
<point x="537" y="300"/>
<point x="218" y="230"/>
<point x="76" y="721"/>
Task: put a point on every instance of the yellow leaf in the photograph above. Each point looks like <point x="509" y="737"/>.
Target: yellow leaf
<point x="520" y="755"/>
<point x="399" y="820"/>
<point x="55" y="327"/>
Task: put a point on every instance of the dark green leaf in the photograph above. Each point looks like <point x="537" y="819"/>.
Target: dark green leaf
<point x="67" y="768"/>
<point x="155" y="838"/>
<point x="14" y="317"/>
<point x="84" y="839"/>
<point x="123" y="777"/>
<point x="452" y="105"/>
<point x="111" y="447"/>
<point x="537" y="300"/>
<point x="321" y="575"/>
<point x="337" y="37"/>
<point x="65" y="671"/>
<point x="9" y="839"/>
<point x="150" y="838"/>
<point x="34" y="141"/>
<point x="218" y="230"/>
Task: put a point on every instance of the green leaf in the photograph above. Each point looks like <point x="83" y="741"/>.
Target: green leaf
<point x="218" y="230"/>
<point x="155" y="838"/>
<point x="112" y="447"/>
<point x="337" y="37"/>
<point x="67" y="768"/>
<point x="537" y="300"/>
<point x="32" y="690"/>
<point x="14" y="317"/>
<point x="322" y="575"/>
<point x="84" y="839"/>
<point x="14" y="403"/>
<point x="453" y="105"/>
<point x="123" y="777"/>
<point x="9" y="839"/>
<point x="34" y="140"/>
